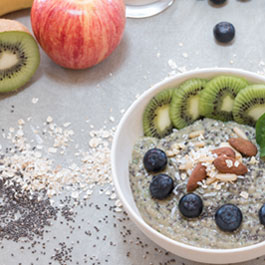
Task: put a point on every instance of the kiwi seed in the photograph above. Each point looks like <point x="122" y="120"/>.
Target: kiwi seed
<point x="156" y="120"/>
<point x="249" y="104"/>
<point x="184" y="107"/>
<point x="217" y="99"/>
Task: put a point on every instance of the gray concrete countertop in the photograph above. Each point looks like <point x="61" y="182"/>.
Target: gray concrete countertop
<point x="177" y="40"/>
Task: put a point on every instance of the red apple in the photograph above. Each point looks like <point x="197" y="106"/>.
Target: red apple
<point x="78" y="34"/>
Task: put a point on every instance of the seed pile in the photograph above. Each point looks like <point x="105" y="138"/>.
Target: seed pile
<point x="31" y="178"/>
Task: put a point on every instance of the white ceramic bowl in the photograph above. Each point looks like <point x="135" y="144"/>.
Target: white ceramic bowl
<point x="129" y="129"/>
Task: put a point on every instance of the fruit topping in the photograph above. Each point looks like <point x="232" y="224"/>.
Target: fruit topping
<point x="198" y="174"/>
<point x="19" y="55"/>
<point x="191" y="205"/>
<point x="262" y="214"/>
<point x="245" y="147"/>
<point x="229" y="152"/>
<point x="226" y="164"/>
<point x="161" y="186"/>
<point x="217" y="99"/>
<point x="155" y="160"/>
<point x="184" y="108"/>
<point x="156" y="120"/>
<point x="260" y="134"/>
<point x="228" y="217"/>
<point x="249" y="104"/>
<point x="224" y="32"/>
<point x="218" y="2"/>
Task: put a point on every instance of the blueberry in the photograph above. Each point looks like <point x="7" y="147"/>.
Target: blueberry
<point x="224" y="32"/>
<point x="191" y="205"/>
<point x="161" y="186"/>
<point x="218" y="2"/>
<point x="155" y="160"/>
<point x="228" y="217"/>
<point x="262" y="214"/>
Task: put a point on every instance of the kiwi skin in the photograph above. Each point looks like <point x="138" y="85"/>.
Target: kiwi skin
<point x="19" y="55"/>
<point x="217" y="99"/>
<point x="184" y="107"/>
<point x="249" y="104"/>
<point x="157" y="112"/>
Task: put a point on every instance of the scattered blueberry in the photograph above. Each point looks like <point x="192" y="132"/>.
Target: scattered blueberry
<point x="228" y="217"/>
<point x="262" y="214"/>
<point x="218" y="2"/>
<point x="161" y="186"/>
<point x="224" y="32"/>
<point x="191" y="205"/>
<point x="155" y="160"/>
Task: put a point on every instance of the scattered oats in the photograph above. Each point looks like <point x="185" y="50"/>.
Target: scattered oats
<point x="89" y="192"/>
<point x="240" y="133"/>
<point x="199" y="144"/>
<point x="172" y="64"/>
<point x="231" y="61"/>
<point x="108" y="192"/>
<point x="118" y="210"/>
<point x="21" y="122"/>
<point x="180" y="44"/>
<point x="158" y="55"/>
<point x="244" y="194"/>
<point x="75" y="194"/>
<point x="118" y="203"/>
<point x="52" y="150"/>
<point x="226" y="177"/>
<point x="11" y="129"/>
<point x="253" y="161"/>
<point x="185" y="55"/>
<point x="196" y="134"/>
<point x="113" y="196"/>
<point x="94" y="142"/>
<point x="49" y="119"/>
<point x="34" y="100"/>
<point x="183" y="176"/>
<point x="66" y="124"/>
<point x="182" y="69"/>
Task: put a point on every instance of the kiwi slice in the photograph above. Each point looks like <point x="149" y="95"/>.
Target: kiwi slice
<point x="156" y="120"/>
<point x="249" y="104"/>
<point x="184" y="108"/>
<point x="19" y="55"/>
<point x="217" y="99"/>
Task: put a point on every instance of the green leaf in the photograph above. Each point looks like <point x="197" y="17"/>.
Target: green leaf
<point x="260" y="134"/>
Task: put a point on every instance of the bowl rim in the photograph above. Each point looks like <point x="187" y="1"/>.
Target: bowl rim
<point x="139" y="221"/>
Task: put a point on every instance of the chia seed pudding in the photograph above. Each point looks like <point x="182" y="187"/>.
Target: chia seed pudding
<point x="247" y="192"/>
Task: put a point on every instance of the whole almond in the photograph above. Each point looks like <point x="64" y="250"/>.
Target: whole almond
<point x="230" y="165"/>
<point x="224" y="151"/>
<point x="198" y="174"/>
<point x="243" y="146"/>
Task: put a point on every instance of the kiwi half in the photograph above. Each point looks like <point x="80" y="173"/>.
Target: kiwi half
<point x="217" y="99"/>
<point x="156" y="120"/>
<point x="184" y="108"/>
<point x="249" y="104"/>
<point x="19" y="55"/>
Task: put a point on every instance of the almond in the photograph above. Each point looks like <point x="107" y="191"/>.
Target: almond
<point x="243" y="146"/>
<point x="224" y="151"/>
<point x="198" y="174"/>
<point x="230" y="165"/>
